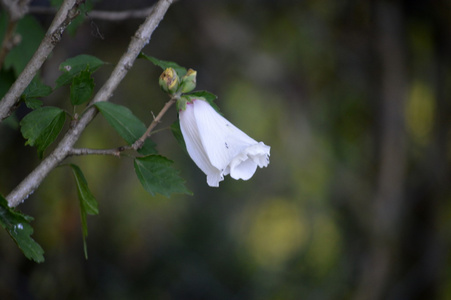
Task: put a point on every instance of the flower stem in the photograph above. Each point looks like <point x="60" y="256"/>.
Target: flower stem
<point x="140" y="142"/>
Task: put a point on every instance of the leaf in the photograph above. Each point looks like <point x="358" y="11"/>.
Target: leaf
<point x="177" y="132"/>
<point x="81" y="88"/>
<point x="156" y="175"/>
<point x="129" y="127"/>
<point x="36" y="89"/>
<point x="18" y="227"/>
<point x="88" y="204"/>
<point x="207" y="96"/>
<point x="75" y="65"/>
<point x="33" y="103"/>
<point x="42" y="126"/>
<point x="164" y="64"/>
<point x="31" y="34"/>
<point x="56" y="3"/>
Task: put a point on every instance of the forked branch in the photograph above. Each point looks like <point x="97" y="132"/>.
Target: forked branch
<point x="64" y="148"/>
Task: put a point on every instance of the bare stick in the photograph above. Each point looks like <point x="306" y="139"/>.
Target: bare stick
<point x="138" y="41"/>
<point x="115" y="16"/>
<point x="67" y="12"/>
<point x="16" y="9"/>
<point x="88" y="151"/>
<point x="10" y="40"/>
<point x="136" y="145"/>
<point x="140" y="142"/>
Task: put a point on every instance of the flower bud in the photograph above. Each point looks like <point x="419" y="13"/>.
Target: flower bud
<point x="188" y="81"/>
<point x="169" y="81"/>
<point x="182" y="102"/>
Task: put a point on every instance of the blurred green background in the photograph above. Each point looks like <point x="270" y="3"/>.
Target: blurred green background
<point x="354" y="98"/>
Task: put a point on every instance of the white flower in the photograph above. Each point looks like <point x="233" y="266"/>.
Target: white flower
<point x="218" y="147"/>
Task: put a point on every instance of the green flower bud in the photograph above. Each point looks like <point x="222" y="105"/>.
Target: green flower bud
<point x="188" y="81"/>
<point x="182" y="102"/>
<point x="169" y="81"/>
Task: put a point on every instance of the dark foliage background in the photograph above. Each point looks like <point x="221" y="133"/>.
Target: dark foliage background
<point x="354" y="97"/>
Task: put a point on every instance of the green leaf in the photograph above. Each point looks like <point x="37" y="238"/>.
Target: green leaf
<point x="82" y="87"/>
<point x="156" y="175"/>
<point x="36" y="89"/>
<point x="207" y="96"/>
<point x="18" y="227"/>
<point x="56" y="3"/>
<point x="164" y="64"/>
<point x="33" y="103"/>
<point x="129" y="127"/>
<point x="88" y="204"/>
<point x="42" y="126"/>
<point x="75" y="65"/>
<point x="177" y="132"/>
<point x="31" y="34"/>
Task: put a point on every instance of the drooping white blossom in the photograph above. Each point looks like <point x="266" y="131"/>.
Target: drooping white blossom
<point x="218" y="147"/>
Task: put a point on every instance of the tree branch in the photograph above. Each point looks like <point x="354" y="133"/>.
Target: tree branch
<point x="114" y="16"/>
<point x="136" y="145"/>
<point x="67" y="12"/>
<point x="10" y="40"/>
<point x="138" y="41"/>
<point x="140" y="142"/>
<point x="87" y="151"/>
<point x="16" y="9"/>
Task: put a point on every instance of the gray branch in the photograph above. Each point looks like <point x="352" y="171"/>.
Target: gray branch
<point x="68" y="11"/>
<point x="87" y="151"/>
<point x="64" y="148"/>
<point x="16" y="9"/>
<point x="114" y="16"/>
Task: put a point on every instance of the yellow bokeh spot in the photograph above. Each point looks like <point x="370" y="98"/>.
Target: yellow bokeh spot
<point x="277" y="231"/>
<point x="420" y="110"/>
<point x="325" y="246"/>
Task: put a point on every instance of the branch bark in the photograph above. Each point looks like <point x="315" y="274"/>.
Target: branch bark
<point x="136" y="145"/>
<point x="138" y="41"/>
<point x="67" y="12"/>
<point x="16" y="9"/>
<point x="115" y="16"/>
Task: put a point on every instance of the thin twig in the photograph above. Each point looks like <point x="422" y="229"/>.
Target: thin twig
<point x="114" y="16"/>
<point x="67" y="12"/>
<point x="113" y="151"/>
<point x="140" y="142"/>
<point x="9" y="41"/>
<point x="139" y="40"/>
<point x="87" y="151"/>
<point x="120" y="15"/>
<point x="16" y="10"/>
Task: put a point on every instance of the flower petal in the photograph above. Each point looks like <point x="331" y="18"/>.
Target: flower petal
<point x="195" y="148"/>
<point x="245" y="164"/>
<point x="218" y="147"/>
<point x="222" y="141"/>
<point x="242" y="167"/>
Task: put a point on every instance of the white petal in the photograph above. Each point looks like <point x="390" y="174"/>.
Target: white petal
<point x="195" y="148"/>
<point x="218" y="147"/>
<point x="242" y="167"/>
<point x="222" y="141"/>
<point x="245" y="164"/>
